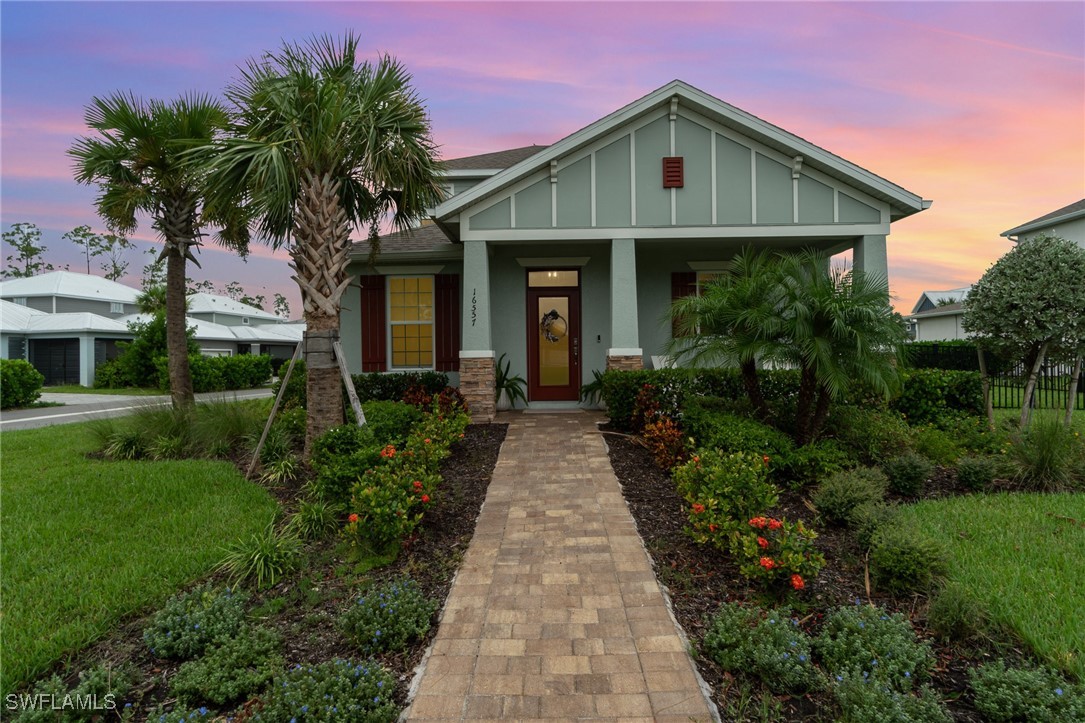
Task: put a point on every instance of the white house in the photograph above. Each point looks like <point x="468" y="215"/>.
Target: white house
<point x="1067" y="222"/>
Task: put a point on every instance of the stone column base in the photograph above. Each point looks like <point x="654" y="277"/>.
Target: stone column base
<point x="625" y="363"/>
<point x="477" y="384"/>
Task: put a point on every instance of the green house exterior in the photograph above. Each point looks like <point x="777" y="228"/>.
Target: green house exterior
<point x="565" y="258"/>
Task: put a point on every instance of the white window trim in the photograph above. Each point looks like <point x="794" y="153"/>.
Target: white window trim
<point x="20" y="300"/>
<point x="116" y="307"/>
<point x="388" y="323"/>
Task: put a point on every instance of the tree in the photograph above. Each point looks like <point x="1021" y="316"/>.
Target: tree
<point x="25" y="239"/>
<point x="281" y="306"/>
<point x="154" y="273"/>
<point x="322" y="143"/>
<point x="1031" y="305"/>
<point x="139" y="163"/>
<point x="110" y="245"/>
<point x="83" y="236"/>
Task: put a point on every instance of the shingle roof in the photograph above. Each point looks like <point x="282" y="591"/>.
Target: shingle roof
<point x="1066" y="213"/>
<point x="497" y="159"/>
<point x="424" y="239"/>
<point x="943" y="310"/>
<point x="201" y="303"/>
<point x="69" y="284"/>
<point x="953" y="295"/>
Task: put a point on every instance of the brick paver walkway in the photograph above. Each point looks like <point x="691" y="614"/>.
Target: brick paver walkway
<point x="556" y="612"/>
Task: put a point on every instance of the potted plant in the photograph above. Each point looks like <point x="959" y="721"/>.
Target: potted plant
<point x="508" y="389"/>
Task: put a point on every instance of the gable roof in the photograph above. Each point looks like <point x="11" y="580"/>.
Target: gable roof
<point x="69" y="284"/>
<point x="1072" y="212"/>
<point x="203" y="303"/>
<point x="955" y="296"/>
<point x="902" y="202"/>
<point x="422" y="240"/>
<point x="492" y="161"/>
<point x="943" y="310"/>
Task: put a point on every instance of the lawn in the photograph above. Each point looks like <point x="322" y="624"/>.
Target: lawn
<point x="77" y="389"/>
<point x="87" y="542"/>
<point x="1021" y="556"/>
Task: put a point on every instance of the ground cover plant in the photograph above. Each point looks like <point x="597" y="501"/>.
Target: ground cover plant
<point x="130" y="533"/>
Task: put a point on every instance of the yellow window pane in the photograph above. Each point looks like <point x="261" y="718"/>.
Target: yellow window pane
<point x="410" y="284"/>
<point x="399" y="359"/>
<point x="425" y="343"/>
<point x="412" y="344"/>
<point x="425" y="359"/>
<point x="398" y="332"/>
<point x="425" y="283"/>
<point x="553" y="278"/>
<point x="395" y="284"/>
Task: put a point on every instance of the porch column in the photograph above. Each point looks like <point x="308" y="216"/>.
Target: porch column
<point x="86" y="361"/>
<point x="625" y="352"/>
<point x="869" y="256"/>
<point x="477" y="381"/>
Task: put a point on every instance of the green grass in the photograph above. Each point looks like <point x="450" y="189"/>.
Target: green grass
<point x="87" y="542"/>
<point x="1020" y="555"/>
<point x="1077" y="421"/>
<point x="76" y="389"/>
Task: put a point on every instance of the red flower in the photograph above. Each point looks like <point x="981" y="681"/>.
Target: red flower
<point x="712" y="527"/>
<point x="765" y="458"/>
<point x="775" y="524"/>
<point x="388" y="452"/>
<point x="698" y="508"/>
<point x="768" y="563"/>
<point x="758" y="522"/>
<point x="461" y="435"/>
<point x="425" y="498"/>
<point x="353" y="517"/>
<point x="427" y="440"/>
<point x="417" y="485"/>
<point x="797" y="583"/>
<point x="696" y="458"/>
<point x="762" y="542"/>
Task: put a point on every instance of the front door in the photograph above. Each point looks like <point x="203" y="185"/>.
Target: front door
<point x="553" y="335"/>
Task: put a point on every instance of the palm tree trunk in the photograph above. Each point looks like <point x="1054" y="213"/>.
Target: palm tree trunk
<point x="821" y="413"/>
<point x="753" y="388"/>
<point x="176" y="336"/>
<point x="804" y="407"/>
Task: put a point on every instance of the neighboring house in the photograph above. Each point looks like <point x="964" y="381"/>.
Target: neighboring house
<point x="937" y="315"/>
<point x="67" y="346"/>
<point x="565" y="258"/>
<point x="1067" y="222"/>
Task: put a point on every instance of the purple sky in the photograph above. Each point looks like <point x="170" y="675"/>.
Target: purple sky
<point x="979" y="106"/>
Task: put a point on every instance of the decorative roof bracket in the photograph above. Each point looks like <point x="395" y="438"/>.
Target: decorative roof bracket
<point x="796" y="167"/>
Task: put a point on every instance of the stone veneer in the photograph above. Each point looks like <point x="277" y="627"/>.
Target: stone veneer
<point x="625" y="363"/>
<point x="477" y="384"/>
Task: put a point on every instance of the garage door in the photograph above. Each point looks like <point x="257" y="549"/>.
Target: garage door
<point x="56" y="359"/>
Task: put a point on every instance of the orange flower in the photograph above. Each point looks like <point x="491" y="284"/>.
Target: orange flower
<point x="712" y="527"/>
<point x="768" y="563"/>
<point x="388" y="452"/>
<point x="427" y="440"/>
<point x="775" y="524"/>
<point x="417" y="485"/>
<point x="797" y="583"/>
<point x="698" y="508"/>
<point x="758" y="522"/>
<point x="425" y="498"/>
<point x="765" y="458"/>
<point x="762" y="542"/>
<point x="353" y="517"/>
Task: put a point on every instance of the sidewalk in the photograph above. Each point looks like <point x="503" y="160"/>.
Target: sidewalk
<point x="556" y="612"/>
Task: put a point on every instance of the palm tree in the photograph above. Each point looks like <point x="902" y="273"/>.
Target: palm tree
<point x="322" y="143"/>
<point x="138" y="162"/>
<point x="840" y="331"/>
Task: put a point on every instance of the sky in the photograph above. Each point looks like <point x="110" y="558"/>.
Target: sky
<point x="978" y="106"/>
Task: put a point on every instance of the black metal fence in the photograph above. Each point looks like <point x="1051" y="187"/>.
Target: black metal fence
<point x="1052" y="386"/>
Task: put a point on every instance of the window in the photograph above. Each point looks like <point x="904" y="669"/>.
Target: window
<point x="410" y="321"/>
<point x="115" y="307"/>
<point x="244" y="320"/>
<point x="20" y="300"/>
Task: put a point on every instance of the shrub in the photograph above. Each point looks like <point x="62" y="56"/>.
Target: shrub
<point x="20" y="383"/>
<point x="226" y="425"/>
<point x="837" y="496"/>
<point x="768" y="644"/>
<point x="973" y="434"/>
<point x="903" y="559"/>
<point x="138" y="360"/>
<point x="387" y="503"/>
<point x="1025" y="694"/>
<point x="390" y="422"/>
<point x="864" y="642"/>
<point x="182" y="714"/>
<point x="955" y="614"/>
<point x="869" y="434"/>
<point x="868" y="518"/>
<point x="110" y="375"/>
<point x="1048" y="456"/>
<point x="977" y="473"/>
<point x="337" y="690"/>
<point x="732" y="433"/>
<point x="810" y="463"/>
<point x="340" y="458"/>
<point x="724" y="491"/>
<point x="126" y="444"/>
<point x="907" y="473"/>
<point x="232" y="670"/>
<point x="342" y="441"/>
<point x="314" y="520"/>
<point x="380" y="386"/>
<point x="937" y="445"/>
<point x="263" y="558"/>
<point x="191" y="621"/>
<point x="665" y="440"/>
<point x="930" y="394"/>
<point x="861" y="702"/>
<point x="778" y="552"/>
<point x="104" y="683"/>
<point x="295" y="395"/>
<point x="388" y="617"/>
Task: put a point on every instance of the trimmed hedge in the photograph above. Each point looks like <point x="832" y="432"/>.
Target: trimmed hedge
<point x="931" y="394"/>
<point x="20" y="383"/>
<point x="391" y="387"/>
<point x="221" y="373"/>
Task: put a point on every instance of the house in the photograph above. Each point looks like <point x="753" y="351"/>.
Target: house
<point x="67" y="323"/>
<point x="565" y="258"/>
<point x="1067" y="222"/>
<point x="937" y="315"/>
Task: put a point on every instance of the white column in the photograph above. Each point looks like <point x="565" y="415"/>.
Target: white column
<point x="624" y="321"/>
<point x="86" y="360"/>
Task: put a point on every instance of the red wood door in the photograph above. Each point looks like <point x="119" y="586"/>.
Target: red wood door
<point x="553" y="343"/>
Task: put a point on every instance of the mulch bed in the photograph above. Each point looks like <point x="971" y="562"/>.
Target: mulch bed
<point x="305" y="606"/>
<point x="700" y="578"/>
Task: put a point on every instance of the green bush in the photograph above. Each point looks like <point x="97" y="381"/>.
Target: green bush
<point x="810" y="464"/>
<point x="387" y="504"/>
<point x="903" y="559"/>
<point x="977" y="473"/>
<point x="1048" y="456"/>
<point x="314" y="520"/>
<point x="138" y="360"/>
<point x="870" y="435"/>
<point x="1025" y="694"/>
<point x="930" y="394"/>
<point x="390" y="422"/>
<point x="844" y="491"/>
<point x="390" y="387"/>
<point x="217" y="374"/>
<point x="955" y="614"/>
<point x="779" y="553"/>
<point x="262" y="558"/>
<point x="861" y="702"/>
<point x="868" y="518"/>
<point x="340" y="457"/>
<point x="20" y="383"/>
<point x="937" y="445"/>
<point x="333" y="691"/>
<point x="388" y="617"/>
<point x="192" y="621"/>
<point x="110" y="375"/>
<point x="104" y="683"/>
<point x="181" y="714"/>
<point x="863" y="642"/>
<point x="973" y="434"/>
<point x="295" y="395"/>
<point x="724" y="492"/>
<point x="768" y="644"/>
<point x="342" y="441"/>
<point x="907" y="473"/>
<point x="732" y="433"/>
<point x="232" y="670"/>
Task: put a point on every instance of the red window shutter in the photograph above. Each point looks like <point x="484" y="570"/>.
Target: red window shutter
<point x="446" y="314"/>
<point x="683" y="283"/>
<point x="673" y="176"/>
<point x="374" y="335"/>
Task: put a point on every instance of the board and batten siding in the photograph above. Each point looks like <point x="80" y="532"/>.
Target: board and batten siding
<point x="730" y="180"/>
